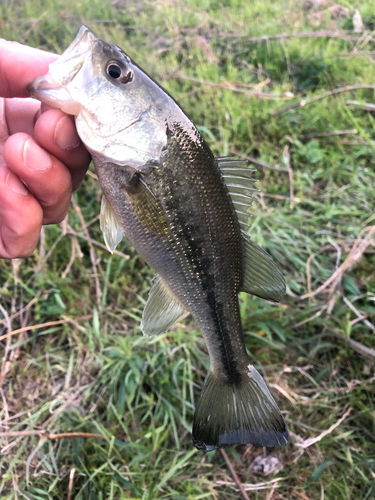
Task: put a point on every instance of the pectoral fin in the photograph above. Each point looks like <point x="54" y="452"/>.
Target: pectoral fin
<point x="262" y="277"/>
<point x="108" y="224"/>
<point x="161" y="311"/>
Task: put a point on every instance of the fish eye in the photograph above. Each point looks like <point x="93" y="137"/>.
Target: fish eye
<point x="118" y="71"/>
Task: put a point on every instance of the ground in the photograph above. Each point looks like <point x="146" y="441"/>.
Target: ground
<point x="267" y="80"/>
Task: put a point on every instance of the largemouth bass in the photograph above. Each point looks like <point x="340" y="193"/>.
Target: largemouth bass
<point x="186" y="213"/>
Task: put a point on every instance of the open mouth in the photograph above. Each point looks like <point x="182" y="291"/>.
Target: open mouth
<point x="52" y="88"/>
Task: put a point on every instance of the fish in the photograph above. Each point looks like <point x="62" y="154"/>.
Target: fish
<point x="186" y="213"/>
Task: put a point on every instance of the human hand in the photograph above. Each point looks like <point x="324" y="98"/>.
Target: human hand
<point x="39" y="146"/>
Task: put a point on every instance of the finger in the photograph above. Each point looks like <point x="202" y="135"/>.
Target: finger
<point x="21" y="115"/>
<point x="20" y="64"/>
<point x="45" y="176"/>
<point x="3" y="122"/>
<point x="20" y="217"/>
<point x="56" y="132"/>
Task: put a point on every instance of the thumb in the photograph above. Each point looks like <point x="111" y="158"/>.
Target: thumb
<point x="19" y="65"/>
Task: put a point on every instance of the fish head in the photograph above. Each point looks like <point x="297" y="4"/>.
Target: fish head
<point x="120" y="111"/>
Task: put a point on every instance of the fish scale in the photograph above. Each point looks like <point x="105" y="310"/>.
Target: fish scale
<point x="219" y="260"/>
<point x="185" y="212"/>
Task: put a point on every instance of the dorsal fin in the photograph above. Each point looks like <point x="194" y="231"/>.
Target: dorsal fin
<point x="108" y="224"/>
<point x="161" y="311"/>
<point x="261" y="276"/>
<point x="240" y="183"/>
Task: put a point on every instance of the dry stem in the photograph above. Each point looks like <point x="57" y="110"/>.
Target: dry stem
<point x="311" y="441"/>
<point x="44" y="325"/>
<point x="304" y="102"/>
<point x="355" y="254"/>
<point x="234" y="475"/>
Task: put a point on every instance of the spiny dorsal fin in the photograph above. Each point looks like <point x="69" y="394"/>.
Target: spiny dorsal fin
<point x="262" y="277"/>
<point x="108" y="224"/>
<point x="239" y="181"/>
<point x="161" y="311"/>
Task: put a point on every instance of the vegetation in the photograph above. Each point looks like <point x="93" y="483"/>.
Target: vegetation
<point x="92" y="371"/>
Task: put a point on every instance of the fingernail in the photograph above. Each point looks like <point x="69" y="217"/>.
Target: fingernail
<point x="66" y="136"/>
<point x="15" y="184"/>
<point x="34" y="157"/>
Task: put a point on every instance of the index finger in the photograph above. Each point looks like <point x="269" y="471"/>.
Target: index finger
<point x="19" y="65"/>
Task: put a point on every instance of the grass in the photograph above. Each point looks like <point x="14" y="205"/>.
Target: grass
<point x="100" y="375"/>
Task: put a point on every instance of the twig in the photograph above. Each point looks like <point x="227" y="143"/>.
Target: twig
<point x="254" y="93"/>
<point x="279" y="197"/>
<point x="292" y="397"/>
<point x="311" y="318"/>
<point x="286" y="158"/>
<point x="44" y="257"/>
<point x="356" y="346"/>
<point x="308" y="262"/>
<point x="304" y="102"/>
<point x="270" y="494"/>
<point x="355" y="254"/>
<point x="338" y="249"/>
<point x="92" y="253"/>
<point x="359" y="314"/>
<point x="333" y="132"/>
<point x="234" y="475"/>
<point x="273" y="483"/>
<point x="366" y="106"/>
<point x="292" y="198"/>
<point x="44" y="325"/>
<point x="363" y="40"/>
<point x="71" y="260"/>
<point x="34" y="22"/>
<point x="344" y="34"/>
<point x="5" y="362"/>
<point x="353" y="143"/>
<point x="91" y="174"/>
<point x="21" y="311"/>
<point x="260" y="163"/>
<point x="311" y="441"/>
<point x="350" y="54"/>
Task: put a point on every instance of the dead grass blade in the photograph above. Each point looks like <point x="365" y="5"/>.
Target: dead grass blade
<point x="348" y="35"/>
<point x="304" y="102"/>
<point x="234" y="475"/>
<point x="47" y="435"/>
<point x="45" y="325"/>
<point x="227" y="86"/>
<point x="311" y="441"/>
<point x="356" y="346"/>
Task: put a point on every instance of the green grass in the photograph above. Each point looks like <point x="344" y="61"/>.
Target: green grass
<point x="100" y="375"/>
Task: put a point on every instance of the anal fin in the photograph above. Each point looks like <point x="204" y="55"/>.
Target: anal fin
<point x="161" y="311"/>
<point x="262" y="276"/>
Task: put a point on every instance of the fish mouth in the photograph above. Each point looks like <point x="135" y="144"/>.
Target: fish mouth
<point x="83" y="33"/>
<point x="53" y="87"/>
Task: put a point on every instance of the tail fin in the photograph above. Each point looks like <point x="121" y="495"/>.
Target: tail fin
<point x="240" y="413"/>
